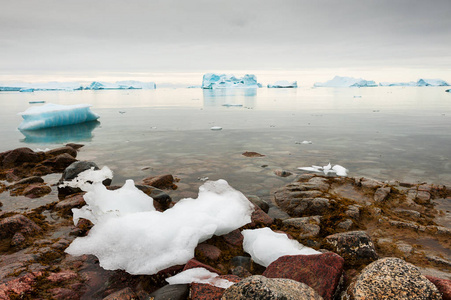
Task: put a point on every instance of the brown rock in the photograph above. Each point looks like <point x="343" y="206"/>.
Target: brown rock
<point x="171" y="292"/>
<point x="234" y="238"/>
<point x="60" y="162"/>
<point x="381" y="194"/>
<point x="19" y="286"/>
<point x="443" y="285"/>
<point x="308" y="226"/>
<point x="72" y="201"/>
<point x="124" y="294"/>
<point x="260" y="217"/>
<point x="203" y="291"/>
<point x="193" y="263"/>
<point x="282" y="173"/>
<point x="64" y="294"/>
<point x="62" y="276"/>
<point x="161" y="181"/>
<point x="19" y="156"/>
<point x="36" y="191"/>
<point x="17" y="239"/>
<point x="57" y="151"/>
<point x="208" y="251"/>
<point x="322" y="272"/>
<point x="252" y="154"/>
<point x="17" y="223"/>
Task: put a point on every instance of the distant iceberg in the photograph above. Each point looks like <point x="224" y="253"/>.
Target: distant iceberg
<point x="215" y="81"/>
<point x="121" y="85"/>
<point x="431" y="82"/>
<point x="281" y="84"/>
<point x="74" y="86"/>
<point x="53" y="115"/>
<point x="339" y="81"/>
<point x="411" y="83"/>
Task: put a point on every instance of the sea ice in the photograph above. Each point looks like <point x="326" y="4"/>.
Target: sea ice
<point x="217" y="81"/>
<point x="53" y="115"/>
<point x="337" y="169"/>
<point x="265" y="245"/>
<point x="199" y="275"/>
<point x="283" y="84"/>
<point x="131" y="237"/>
<point x="339" y="81"/>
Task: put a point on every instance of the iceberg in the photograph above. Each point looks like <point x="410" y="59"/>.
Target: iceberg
<point x="129" y="234"/>
<point x="215" y="81"/>
<point x="431" y="82"/>
<point x="40" y="86"/>
<point x="53" y="115"/>
<point x="283" y="84"/>
<point x="339" y="81"/>
<point x="121" y="85"/>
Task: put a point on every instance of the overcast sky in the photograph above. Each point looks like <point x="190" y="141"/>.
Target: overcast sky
<point x="89" y="37"/>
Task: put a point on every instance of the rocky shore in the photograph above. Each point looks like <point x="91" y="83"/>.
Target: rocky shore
<point x="379" y="240"/>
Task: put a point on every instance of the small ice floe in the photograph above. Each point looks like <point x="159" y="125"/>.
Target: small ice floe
<point x="232" y="105"/>
<point x="41" y="150"/>
<point x="216" y="128"/>
<point x="199" y="275"/>
<point x="203" y="178"/>
<point x="337" y="169"/>
<point x="304" y="142"/>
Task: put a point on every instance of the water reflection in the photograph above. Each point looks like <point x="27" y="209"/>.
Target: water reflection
<point x="230" y="97"/>
<point x="62" y="134"/>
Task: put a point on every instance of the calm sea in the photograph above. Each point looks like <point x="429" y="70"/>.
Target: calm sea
<point x="383" y="133"/>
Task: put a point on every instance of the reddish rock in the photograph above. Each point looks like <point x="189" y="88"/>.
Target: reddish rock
<point x="19" y="285"/>
<point x="57" y="151"/>
<point x="64" y="294"/>
<point x="17" y="157"/>
<point x="71" y="202"/>
<point x="161" y="181"/>
<point x="209" y="251"/>
<point x="252" y="154"/>
<point x="60" y="163"/>
<point x="41" y="170"/>
<point x="193" y="263"/>
<point x="62" y="276"/>
<point x="17" y="223"/>
<point x="204" y="291"/>
<point x="260" y="217"/>
<point x="124" y="294"/>
<point x="321" y="272"/>
<point x="18" y="239"/>
<point x="36" y="191"/>
<point x="443" y="285"/>
<point x="234" y="238"/>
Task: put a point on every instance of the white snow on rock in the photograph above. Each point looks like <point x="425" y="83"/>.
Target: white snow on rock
<point x="337" y="169"/>
<point x="53" y="115"/>
<point x="339" y="81"/>
<point x="199" y="275"/>
<point x="283" y="84"/>
<point x="265" y="245"/>
<point x="218" y="81"/>
<point x="140" y="240"/>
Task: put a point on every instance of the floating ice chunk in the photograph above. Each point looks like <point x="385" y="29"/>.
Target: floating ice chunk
<point x="304" y="142"/>
<point x="216" y="128"/>
<point x="199" y="275"/>
<point x="146" y="242"/>
<point x="265" y="246"/>
<point x="283" y="84"/>
<point x="339" y="81"/>
<point x="215" y="81"/>
<point x="53" y="115"/>
<point x="337" y="169"/>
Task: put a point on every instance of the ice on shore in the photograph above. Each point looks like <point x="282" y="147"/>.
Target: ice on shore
<point x="132" y="236"/>
<point x="53" y="115"/>
<point x="199" y="275"/>
<point x="337" y="169"/>
<point x="339" y="81"/>
<point x="283" y="84"/>
<point x="218" y="81"/>
<point x="265" y="245"/>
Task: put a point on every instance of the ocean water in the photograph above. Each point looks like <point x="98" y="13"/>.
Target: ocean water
<point x="385" y="133"/>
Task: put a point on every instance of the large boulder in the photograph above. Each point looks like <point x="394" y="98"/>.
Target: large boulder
<point x="258" y="287"/>
<point x="322" y="272"/>
<point x="391" y="278"/>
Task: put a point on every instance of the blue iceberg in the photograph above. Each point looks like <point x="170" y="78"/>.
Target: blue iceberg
<point x="215" y="81"/>
<point x="283" y="84"/>
<point x="54" y="115"/>
<point x="339" y="81"/>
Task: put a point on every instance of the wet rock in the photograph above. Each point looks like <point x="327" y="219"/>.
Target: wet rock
<point x="381" y="194"/>
<point x="203" y="291"/>
<point x="36" y="191"/>
<point x="241" y="266"/>
<point x="317" y="183"/>
<point x="75" y="146"/>
<point x="353" y="212"/>
<point x="64" y="294"/>
<point x="390" y="278"/>
<point x="369" y="183"/>
<point x="405" y="248"/>
<point x="161" y="181"/>
<point x="234" y="238"/>
<point x="17" y="223"/>
<point x="240" y="272"/>
<point x="439" y="260"/>
<point x="62" y="276"/>
<point x="276" y="213"/>
<point x="62" y="150"/>
<point x="321" y="272"/>
<point x="124" y="294"/>
<point x="19" y="286"/>
<point x="71" y="172"/>
<point x="261" y="288"/>
<point x="423" y="197"/>
<point x="209" y="251"/>
<point x="29" y="180"/>
<point x="194" y="263"/>
<point x="171" y="292"/>
<point x="282" y="173"/>
<point x="355" y="247"/>
<point x="408" y="213"/>
<point x="73" y="201"/>
<point x="308" y="226"/>
<point x="59" y="163"/>
<point x="345" y="225"/>
<point x="19" y="156"/>
<point x="259" y="202"/>
<point x="252" y="154"/>
<point x="260" y="217"/>
<point x="407" y="225"/>
<point x="17" y="239"/>
<point x="61" y="244"/>
<point x="161" y="200"/>
<point x="443" y="285"/>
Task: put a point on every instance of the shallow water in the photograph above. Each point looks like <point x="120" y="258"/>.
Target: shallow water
<point x="384" y="133"/>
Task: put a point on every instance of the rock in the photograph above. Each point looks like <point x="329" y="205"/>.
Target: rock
<point x="381" y="194"/>
<point x="19" y="156"/>
<point x="241" y="266"/>
<point x="171" y="292"/>
<point x="308" y="226"/>
<point x="282" y="173"/>
<point x="234" y="238"/>
<point x="73" y="201"/>
<point x="370" y="183"/>
<point x="204" y="291"/>
<point x="390" y="278"/>
<point x="345" y="225"/>
<point x="59" y="163"/>
<point x="29" y="180"/>
<point x="405" y="248"/>
<point x="407" y="213"/>
<point x="322" y="272"/>
<point x="258" y="287"/>
<point x="75" y="146"/>
<point x="353" y="212"/>
<point x="161" y="200"/>
<point x="19" y="286"/>
<point x="124" y="294"/>
<point x="17" y="239"/>
<point x="355" y="247"/>
<point x="423" y="197"/>
<point x="62" y="150"/>
<point x="443" y="285"/>
<point x="260" y="217"/>
<point x="209" y="251"/>
<point x="36" y="191"/>
<point x="161" y="181"/>
<point x="64" y="294"/>
<point x="17" y="223"/>
<point x="407" y="225"/>
<point x="62" y="276"/>
<point x="193" y="263"/>
<point x="439" y="260"/>
<point x="276" y="213"/>
<point x="258" y="202"/>
<point x="317" y="183"/>
<point x="252" y="154"/>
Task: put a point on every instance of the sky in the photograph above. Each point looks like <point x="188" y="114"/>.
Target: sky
<point x="383" y="40"/>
